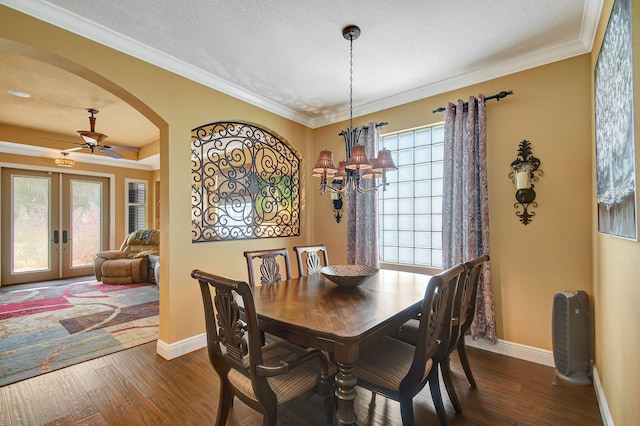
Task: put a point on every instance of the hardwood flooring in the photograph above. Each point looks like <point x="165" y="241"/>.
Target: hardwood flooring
<point x="138" y="387"/>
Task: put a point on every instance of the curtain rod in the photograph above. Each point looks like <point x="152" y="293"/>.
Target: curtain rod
<point x="497" y="96"/>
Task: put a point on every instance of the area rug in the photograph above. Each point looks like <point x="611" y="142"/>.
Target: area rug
<point x="46" y="329"/>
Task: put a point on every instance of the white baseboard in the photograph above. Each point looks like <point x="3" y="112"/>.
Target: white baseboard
<point x="516" y="350"/>
<point x="544" y="357"/>
<point x="607" y="420"/>
<point x="182" y="347"/>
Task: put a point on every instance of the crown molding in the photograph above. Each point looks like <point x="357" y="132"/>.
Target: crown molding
<point x="78" y="25"/>
<point x="83" y="27"/>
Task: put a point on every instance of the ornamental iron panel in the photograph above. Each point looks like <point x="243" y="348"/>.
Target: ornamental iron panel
<point x="245" y="183"/>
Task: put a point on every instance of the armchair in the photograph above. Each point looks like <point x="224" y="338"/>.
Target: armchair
<point x="129" y="264"/>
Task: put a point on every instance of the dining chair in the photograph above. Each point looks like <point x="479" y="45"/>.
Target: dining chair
<point x="309" y="256"/>
<point x="463" y="315"/>
<point x="270" y="379"/>
<point x="269" y="267"/>
<point x="464" y="306"/>
<point x="399" y="370"/>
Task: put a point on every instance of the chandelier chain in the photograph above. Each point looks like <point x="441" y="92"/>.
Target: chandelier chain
<point x="351" y="82"/>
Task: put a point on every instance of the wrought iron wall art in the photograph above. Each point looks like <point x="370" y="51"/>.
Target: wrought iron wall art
<point x="245" y="183"/>
<point x="524" y="170"/>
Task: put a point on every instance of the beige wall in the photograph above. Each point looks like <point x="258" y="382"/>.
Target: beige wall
<point x="550" y="108"/>
<point x="616" y="286"/>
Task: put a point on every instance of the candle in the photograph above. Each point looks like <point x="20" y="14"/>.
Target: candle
<point x="522" y="180"/>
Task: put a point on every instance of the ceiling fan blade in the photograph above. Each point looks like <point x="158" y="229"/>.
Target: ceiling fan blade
<point x="110" y="153"/>
<point x="123" y="148"/>
<point x="60" y="140"/>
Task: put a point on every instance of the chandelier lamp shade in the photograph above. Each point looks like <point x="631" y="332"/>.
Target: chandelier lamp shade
<point x="346" y="177"/>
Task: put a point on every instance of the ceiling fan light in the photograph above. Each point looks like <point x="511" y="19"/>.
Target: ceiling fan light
<point x="92" y="138"/>
<point x="64" y="161"/>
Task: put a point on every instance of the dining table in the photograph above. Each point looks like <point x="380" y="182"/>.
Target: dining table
<point x="312" y="311"/>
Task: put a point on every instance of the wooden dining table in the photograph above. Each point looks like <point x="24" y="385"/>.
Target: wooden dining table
<point x="314" y="312"/>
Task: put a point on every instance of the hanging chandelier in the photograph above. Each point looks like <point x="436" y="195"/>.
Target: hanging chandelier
<point x="347" y="176"/>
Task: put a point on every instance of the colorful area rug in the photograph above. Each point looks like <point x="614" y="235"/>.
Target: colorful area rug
<point x="46" y="329"/>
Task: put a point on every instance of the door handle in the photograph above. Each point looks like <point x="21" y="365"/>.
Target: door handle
<point x="64" y="236"/>
<point x="56" y="238"/>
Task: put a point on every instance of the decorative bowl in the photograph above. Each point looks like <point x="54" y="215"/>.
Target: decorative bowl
<point x="348" y="275"/>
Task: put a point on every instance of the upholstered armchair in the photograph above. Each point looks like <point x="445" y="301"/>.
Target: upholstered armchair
<point x="129" y="264"/>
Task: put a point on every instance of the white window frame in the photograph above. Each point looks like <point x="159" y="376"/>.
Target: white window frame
<point x="128" y="204"/>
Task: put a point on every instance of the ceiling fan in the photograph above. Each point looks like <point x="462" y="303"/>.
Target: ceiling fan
<point x="92" y="140"/>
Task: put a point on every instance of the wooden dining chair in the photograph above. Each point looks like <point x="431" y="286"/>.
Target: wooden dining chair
<point x="399" y="370"/>
<point x="309" y="256"/>
<point x="464" y="306"/>
<point x="270" y="379"/>
<point x="463" y="315"/>
<point x="269" y="267"/>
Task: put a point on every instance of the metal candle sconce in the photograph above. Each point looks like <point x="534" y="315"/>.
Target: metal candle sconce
<point x="524" y="170"/>
<point x="336" y="198"/>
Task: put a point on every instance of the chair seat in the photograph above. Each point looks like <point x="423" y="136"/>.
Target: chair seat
<point x="408" y="332"/>
<point x="387" y="363"/>
<point x="290" y="387"/>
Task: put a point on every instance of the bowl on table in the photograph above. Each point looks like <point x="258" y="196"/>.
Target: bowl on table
<point x="348" y="275"/>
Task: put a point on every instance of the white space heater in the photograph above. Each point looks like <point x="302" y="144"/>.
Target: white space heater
<point x="571" y="337"/>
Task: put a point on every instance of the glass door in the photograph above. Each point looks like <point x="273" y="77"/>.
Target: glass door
<point x="52" y="224"/>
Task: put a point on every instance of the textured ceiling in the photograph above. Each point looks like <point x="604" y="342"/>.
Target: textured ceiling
<point x="289" y="56"/>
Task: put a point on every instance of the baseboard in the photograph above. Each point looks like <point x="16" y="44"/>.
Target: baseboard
<point x="607" y="420"/>
<point x="182" y="347"/>
<point x="516" y="350"/>
<point x="544" y="357"/>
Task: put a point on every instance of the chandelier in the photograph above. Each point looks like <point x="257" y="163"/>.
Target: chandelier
<point x="347" y="176"/>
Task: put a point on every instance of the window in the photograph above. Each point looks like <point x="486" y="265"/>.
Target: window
<point x="410" y="210"/>
<point x="136" y="214"/>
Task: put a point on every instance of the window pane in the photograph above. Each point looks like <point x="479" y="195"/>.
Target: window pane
<point x="405" y="206"/>
<point x="86" y="222"/>
<point x="31" y="224"/>
<point x="411" y="208"/>
<point x="390" y="254"/>
<point x="405" y="255"/>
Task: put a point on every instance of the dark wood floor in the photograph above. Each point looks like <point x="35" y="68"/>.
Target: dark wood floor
<point x="136" y="387"/>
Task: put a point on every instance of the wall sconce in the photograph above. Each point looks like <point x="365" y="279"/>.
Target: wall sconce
<point x="336" y="198"/>
<point x="524" y="170"/>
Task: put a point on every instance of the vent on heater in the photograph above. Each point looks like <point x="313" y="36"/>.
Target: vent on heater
<point x="571" y="337"/>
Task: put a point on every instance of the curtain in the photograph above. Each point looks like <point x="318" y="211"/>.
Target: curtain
<point x="362" y="211"/>
<point x="466" y="202"/>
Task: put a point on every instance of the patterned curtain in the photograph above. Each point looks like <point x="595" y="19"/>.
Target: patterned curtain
<point x="466" y="202"/>
<point x="362" y="213"/>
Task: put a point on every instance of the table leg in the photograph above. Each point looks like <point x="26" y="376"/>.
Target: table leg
<point x="345" y="391"/>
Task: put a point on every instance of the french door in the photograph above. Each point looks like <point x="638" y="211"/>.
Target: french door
<point x="53" y="224"/>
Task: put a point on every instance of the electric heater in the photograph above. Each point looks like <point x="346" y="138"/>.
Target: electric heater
<point x="571" y="337"/>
